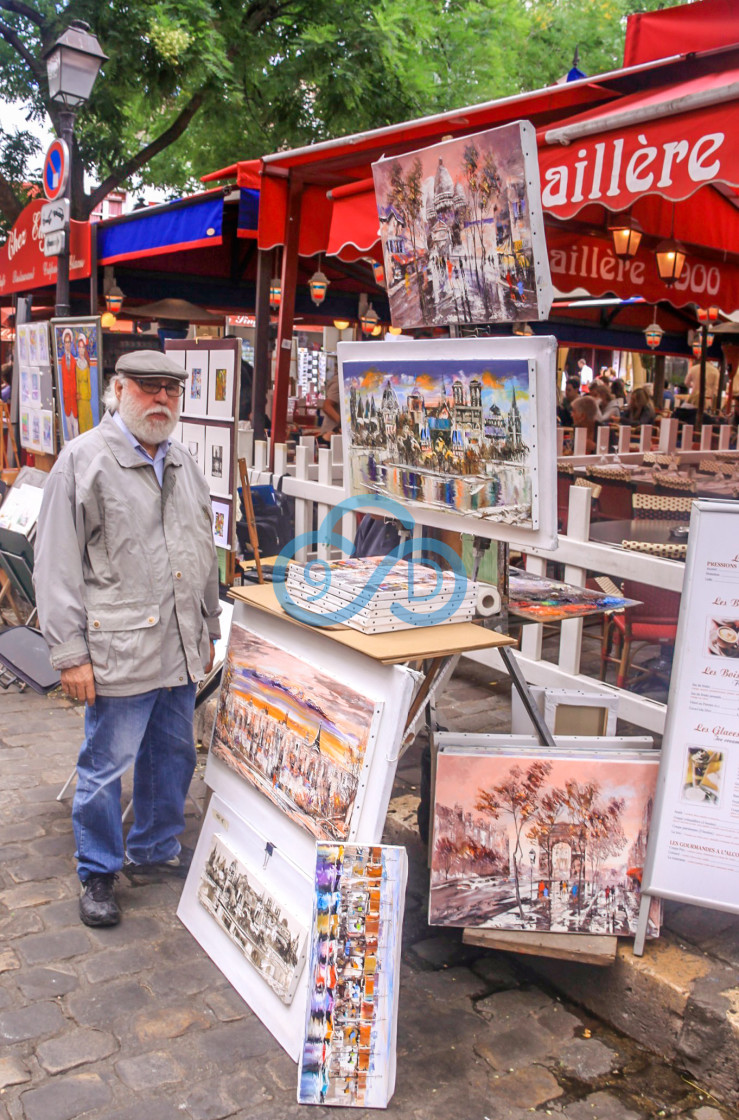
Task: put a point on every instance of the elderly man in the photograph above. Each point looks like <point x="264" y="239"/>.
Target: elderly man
<point x="126" y="578"/>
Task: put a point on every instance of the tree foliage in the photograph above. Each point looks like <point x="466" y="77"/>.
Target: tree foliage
<point x="193" y="85"/>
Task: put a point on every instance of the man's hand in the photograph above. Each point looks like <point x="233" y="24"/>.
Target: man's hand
<point x="209" y="666"/>
<point x="78" y="683"/>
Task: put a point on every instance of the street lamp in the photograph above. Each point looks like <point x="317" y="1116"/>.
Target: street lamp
<point x="72" y="65"/>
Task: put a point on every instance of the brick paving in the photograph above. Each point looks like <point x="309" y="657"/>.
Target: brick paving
<point x="136" y="1022"/>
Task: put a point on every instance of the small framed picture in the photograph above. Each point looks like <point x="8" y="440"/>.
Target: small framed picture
<point x="221" y="523"/>
<point x="218" y="459"/>
<point x="193" y="437"/>
<point x="221" y="385"/>
<point x="195" y="402"/>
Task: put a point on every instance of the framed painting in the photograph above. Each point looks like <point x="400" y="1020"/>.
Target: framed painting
<point x="351" y="1015"/>
<point x="461" y="431"/>
<point x="218" y="459"/>
<point x="221" y="523"/>
<point x="195" y="401"/>
<point x="462" y="230"/>
<point x="249" y="907"/>
<point x="220" y="396"/>
<point x="77" y="345"/>
<point x="193" y="439"/>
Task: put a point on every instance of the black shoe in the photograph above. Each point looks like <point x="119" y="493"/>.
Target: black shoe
<point x="178" y="865"/>
<point x="98" y="906"/>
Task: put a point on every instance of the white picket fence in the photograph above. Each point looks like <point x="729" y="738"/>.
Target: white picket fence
<point x="320" y="484"/>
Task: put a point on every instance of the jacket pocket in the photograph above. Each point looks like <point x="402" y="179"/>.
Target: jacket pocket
<point x="120" y="640"/>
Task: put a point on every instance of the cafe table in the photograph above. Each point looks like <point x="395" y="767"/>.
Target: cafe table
<point x="646" y="530"/>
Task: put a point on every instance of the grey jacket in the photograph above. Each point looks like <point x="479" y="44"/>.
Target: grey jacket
<point x="111" y="549"/>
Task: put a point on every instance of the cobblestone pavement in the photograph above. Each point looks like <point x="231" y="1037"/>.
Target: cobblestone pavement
<point x="137" y="1022"/>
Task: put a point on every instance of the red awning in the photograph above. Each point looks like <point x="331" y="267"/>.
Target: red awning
<point x="670" y="141"/>
<point x="703" y="25"/>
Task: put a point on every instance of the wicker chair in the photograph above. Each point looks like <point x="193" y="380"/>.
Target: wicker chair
<point x="661" y="507"/>
<point x="654" y="548"/>
<point x="669" y="483"/>
<point x="594" y="486"/>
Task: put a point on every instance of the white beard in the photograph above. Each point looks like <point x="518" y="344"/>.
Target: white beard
<point x="148" y="424"/>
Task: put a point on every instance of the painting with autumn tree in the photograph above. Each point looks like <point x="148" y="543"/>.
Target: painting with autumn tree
<point x="462" y="230"/>
<point x="552" y="843"/>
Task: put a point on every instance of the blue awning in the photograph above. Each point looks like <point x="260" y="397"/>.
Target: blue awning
<point x="186" y="224"/>
<point x="248" y="213"/>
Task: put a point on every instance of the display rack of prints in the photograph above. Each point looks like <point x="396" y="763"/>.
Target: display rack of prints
<point x="208" y="422"/>
<point x="36" y="396"/>
<point x="541" y="599"/>
<point x="373" y="597"/>
<point x="250" y="909"/>
<point x="694" y="848"/>
<point x="348" y="1057"/>
<point x="539" y="839"/>
<point x="461" y="431"/>
<point x="305" y="744"/>
<point x="77" y="350"/>
<point x="462" y="230"/>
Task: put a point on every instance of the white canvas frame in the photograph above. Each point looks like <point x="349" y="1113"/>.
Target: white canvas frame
<point x="221" y="409"/>
<point x="540" y="352"/>
<point x="389" y="686"/>
<point x="194" y="433"/>
<point x="195" y="359"/>
<point x="293" y="887"/>
<point x="548" y="699"/>
<point x="219" y="436"/>
<point x="223" y="540"/>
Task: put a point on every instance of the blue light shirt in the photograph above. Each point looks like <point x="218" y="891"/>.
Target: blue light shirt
<point x="161" y="453"/>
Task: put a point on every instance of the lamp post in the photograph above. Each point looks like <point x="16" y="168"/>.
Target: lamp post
<point x="72" y="65"/>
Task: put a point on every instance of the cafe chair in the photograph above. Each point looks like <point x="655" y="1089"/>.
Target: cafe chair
<point x="652" y="622"/>
<point x="661" y="507"/>
<point x="652" y="548"/>
<point x="713" y="466"/>
<point x="671" y="482"/>
<point x="614" y="502"/>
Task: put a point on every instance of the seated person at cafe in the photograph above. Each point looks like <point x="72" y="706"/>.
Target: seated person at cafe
<point x="693" y="383"/>
<point x="585" y="415"/>
<point x="608" y="406"/>
<point x="571" y="393"/>
<point x="640" y="408"/>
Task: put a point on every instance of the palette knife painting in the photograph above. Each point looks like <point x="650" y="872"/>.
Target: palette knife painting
<point x="300" y="736"/>
<point x="348" y="1056"/>
<point x="537" y="843"/>
<point x="449" y="431"/>
<point x="463" y="232"/>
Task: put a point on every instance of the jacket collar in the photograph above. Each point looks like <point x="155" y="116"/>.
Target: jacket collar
<point x="125" y="453"/>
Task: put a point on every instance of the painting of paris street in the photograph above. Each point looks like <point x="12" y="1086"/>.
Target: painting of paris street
<point x="268" y="935"/>
<point x="462" y="231"/>
<point x="298" y="735"/>
<point x="541" y="843"/>
<point x="454" y="435"/>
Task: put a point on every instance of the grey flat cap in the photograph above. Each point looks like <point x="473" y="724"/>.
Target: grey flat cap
<point x="150" y="363"/>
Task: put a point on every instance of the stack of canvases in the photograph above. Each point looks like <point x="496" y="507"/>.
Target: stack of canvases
<point x="542" y="840"/>
<point x="290" y="891"/>
<point x="380" y="594"/>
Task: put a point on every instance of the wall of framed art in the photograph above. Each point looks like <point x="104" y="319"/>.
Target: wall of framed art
<point x="209" y="420"/>
<point x="461" y="431"/>
<point x="36" y="395"/>
<point x="77" y="352"/>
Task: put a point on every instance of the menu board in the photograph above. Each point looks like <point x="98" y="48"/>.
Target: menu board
<point x="693" y="851"/>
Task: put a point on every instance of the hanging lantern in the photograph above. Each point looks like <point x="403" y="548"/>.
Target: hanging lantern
<point x="697" y="349"/>
<point x="378" y="270"/>
<point x="653" y="335"/>
<point x="707" y="314"/>
<point x="671" y="256"/>
<point x="369" y="320"/>
<point x="114" y="300"/>
<point x="341" y="324"/>
<point x="627" y="234"/>
<point x="275" y="293"/>
<point x="318" y="285"/>
<point x="709" y="338"/>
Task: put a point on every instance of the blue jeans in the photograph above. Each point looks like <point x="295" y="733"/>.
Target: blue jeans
<point x="152" y="731"/>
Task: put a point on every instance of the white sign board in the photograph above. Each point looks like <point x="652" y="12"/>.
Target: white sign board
<point x="693" y="851"/>
<point x="55" y="216"/>
<point x="54" y="244"/>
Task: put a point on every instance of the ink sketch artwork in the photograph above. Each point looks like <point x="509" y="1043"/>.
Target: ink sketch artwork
<point x="529" y="842"/>
<point x="348" y="1056"/>
<point x="258" y="924"/>
<point x="462" y="230"/>
<point x="300" y="736"/>
<point x="454" y="434"/>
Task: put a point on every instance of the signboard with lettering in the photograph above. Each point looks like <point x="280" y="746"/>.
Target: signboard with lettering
<point x="54" y="243"/>
<point x="23" y="266"/>
<point x="693" y="853"/>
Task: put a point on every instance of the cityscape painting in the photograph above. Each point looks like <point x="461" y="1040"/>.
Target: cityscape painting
<point x="268" y="935"/>
<point x="348" y="1056"/>
<point x="462" y="231"/>
<point x="297" y="734"/>
<point x="457" y="435"/>
<point x="537" y="842"/>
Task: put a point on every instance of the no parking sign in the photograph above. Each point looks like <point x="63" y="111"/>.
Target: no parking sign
<point x="56" y="170"/>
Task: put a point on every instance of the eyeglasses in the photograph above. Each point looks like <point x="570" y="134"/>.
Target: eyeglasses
<point x="151" y="388"/>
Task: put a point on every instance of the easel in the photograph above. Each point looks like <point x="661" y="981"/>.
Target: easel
<point x="251" y="523"/>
